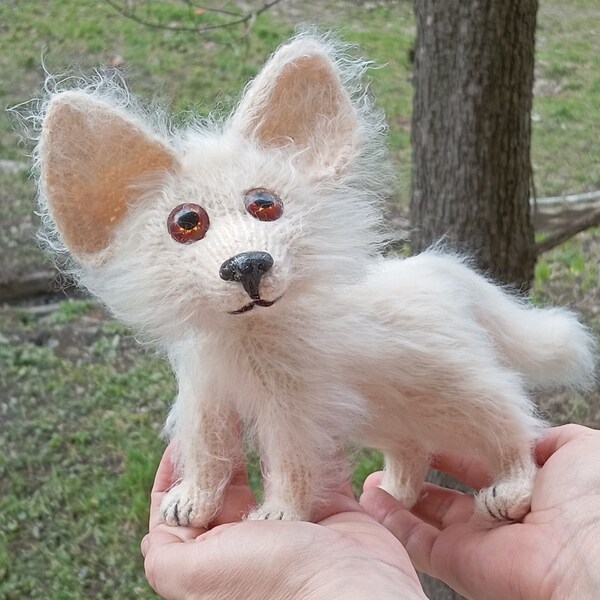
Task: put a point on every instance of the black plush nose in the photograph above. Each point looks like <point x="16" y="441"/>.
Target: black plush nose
<point x="247" y="268"/>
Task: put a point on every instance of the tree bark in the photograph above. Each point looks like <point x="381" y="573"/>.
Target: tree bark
<point x="473" y="80"/>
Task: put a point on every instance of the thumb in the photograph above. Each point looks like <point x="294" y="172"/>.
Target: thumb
<point x="414" y="534"/>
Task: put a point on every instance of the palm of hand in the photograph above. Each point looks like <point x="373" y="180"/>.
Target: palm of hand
<point x="517" y="561"/>
<point x="271" y="559"/>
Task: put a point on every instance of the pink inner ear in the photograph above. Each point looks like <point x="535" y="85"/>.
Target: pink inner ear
<point x="308" y="107"/>
<point x="90" y="155"/>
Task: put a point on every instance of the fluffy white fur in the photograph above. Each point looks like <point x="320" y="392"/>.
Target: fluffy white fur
<point x="409" y="356"/>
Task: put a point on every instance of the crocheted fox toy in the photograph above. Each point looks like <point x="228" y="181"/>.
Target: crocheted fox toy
<point x="249" y="250"/>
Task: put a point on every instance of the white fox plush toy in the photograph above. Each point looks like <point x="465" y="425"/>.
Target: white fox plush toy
<point x="249" y="250"/>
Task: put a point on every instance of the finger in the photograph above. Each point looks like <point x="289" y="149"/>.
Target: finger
<point x="468" y="470"/>
<point x="238" y="501"/>
<point x="438" y="505"/>
<point x="165" y="535"/>
<point x="168" y="561"/>
<point x="336" y="504"/>
<point x="165" y="473"/>
<point x="164" y="479"/>
<point x="443" y="507"/>
<point x="417" y="536"/>
<point x="557" y="437"/>
<point x="373" y="480"/>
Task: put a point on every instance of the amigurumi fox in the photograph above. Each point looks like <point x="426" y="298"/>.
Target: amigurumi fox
<point x="249" y="250"/>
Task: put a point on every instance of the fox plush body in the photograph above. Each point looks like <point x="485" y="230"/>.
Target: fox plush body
<point x="249" y="250"/>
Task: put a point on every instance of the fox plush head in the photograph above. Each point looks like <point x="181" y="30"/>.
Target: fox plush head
<point x="181" y="228"/>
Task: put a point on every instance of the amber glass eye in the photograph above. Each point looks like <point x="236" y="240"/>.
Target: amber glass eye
<point x="263" y="204"/>
<point x="188" y="223"/>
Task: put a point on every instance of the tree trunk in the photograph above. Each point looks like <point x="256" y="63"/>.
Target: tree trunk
<point x="473" y="78"/>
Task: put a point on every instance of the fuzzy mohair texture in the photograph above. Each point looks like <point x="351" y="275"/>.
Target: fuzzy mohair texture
<point x="249" y="250"/>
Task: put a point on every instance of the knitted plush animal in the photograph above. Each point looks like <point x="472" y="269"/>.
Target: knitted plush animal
<point x="249" y="251"/>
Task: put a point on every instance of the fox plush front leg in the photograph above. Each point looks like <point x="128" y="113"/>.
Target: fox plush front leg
<point x="289" y="495"/>
<point x="207" y="449"/>
<point x="290" y="480"/>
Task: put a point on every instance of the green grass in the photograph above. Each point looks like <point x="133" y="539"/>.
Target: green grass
<point x="567" y="104"/>
<point x="80" y="443"/>
<point x="81" y="405"/>
<point x="192" y="72"/>
<point x="569" y="272"/>
<point x="18" y="224"/>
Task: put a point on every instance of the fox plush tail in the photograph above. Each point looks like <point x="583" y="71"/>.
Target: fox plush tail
<point x="548" y="346"/>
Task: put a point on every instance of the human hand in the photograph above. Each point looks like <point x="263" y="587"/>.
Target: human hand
<point x="553" y="554"/>
<point x="347" y="554"/>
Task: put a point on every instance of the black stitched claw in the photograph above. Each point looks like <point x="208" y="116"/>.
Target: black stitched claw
<point x="487" y="506"/>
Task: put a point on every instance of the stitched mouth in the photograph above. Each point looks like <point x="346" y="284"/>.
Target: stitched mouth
<point x="251" y="305"/>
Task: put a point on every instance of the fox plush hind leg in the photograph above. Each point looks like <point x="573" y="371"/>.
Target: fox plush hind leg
<point x="487" y="416"/>
<point x="405" y="468"/>
<point x="506" y="499"/>
<point x="509" y="497"/>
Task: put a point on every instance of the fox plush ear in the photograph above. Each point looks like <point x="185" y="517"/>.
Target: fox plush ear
<point x="90" y="154"/>
<point x="298" y="101"/>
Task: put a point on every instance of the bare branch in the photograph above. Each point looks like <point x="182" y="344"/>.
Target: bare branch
<point x="237" y="18"/>
<point x="221" y="11"/>
<point x="133" y="17"/>
<point x="584" y="222"/>
<point x="569" y="199"/>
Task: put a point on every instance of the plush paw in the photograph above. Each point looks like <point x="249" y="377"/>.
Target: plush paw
<point x="406" y="495"/>
<point x="186" y="505"/>
<point x="277" y="512"/>
<point x="506" y="500"/>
